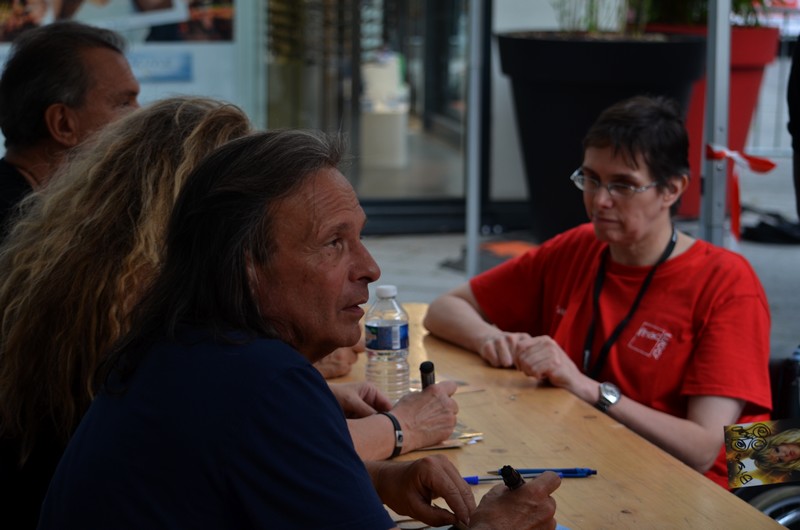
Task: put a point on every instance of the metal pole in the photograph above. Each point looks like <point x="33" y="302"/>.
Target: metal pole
<point x="354" y="175"/>
<point x="718" y="60"/>
<point x="473" y="137"/>
<point x="251" y="63"/>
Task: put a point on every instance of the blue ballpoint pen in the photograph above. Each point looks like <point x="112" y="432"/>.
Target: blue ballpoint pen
<point x="565" y="471"/>
<point x="475" y="479"/>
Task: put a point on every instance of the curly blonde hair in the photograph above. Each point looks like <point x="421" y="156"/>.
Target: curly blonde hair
<point x="762" y="458"/>
<point x="84" y="250"/>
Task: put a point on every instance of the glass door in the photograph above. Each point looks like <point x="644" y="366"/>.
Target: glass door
<point x="390" y="74"/>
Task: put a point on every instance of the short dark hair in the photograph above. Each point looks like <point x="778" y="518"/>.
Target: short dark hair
<point x="223" y="219"/>
<point x="46" y="66"/>
<point x="648" y="125"/>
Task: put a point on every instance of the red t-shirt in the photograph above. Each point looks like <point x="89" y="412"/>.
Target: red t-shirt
<point x="702" y="327"/>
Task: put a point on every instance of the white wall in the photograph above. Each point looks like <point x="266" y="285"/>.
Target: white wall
<point x="507" y="170"/>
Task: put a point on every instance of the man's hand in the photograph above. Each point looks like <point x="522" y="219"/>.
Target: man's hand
<point x="408" y="488"/>
<point x="359" y="400"/>
<point x="427" y="417"/>
<point x="527" y="507"/>
<point x="340" y="361"/>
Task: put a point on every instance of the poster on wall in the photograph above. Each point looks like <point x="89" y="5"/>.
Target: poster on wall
<point x="174" y="46"/>
<point x="151" y="20"/>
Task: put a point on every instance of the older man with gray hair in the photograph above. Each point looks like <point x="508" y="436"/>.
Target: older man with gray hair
<point x="61" y="82"/>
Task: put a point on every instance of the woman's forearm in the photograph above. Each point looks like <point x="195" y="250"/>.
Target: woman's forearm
<point x="454" y="319"/>
<point x="696" y="441"/>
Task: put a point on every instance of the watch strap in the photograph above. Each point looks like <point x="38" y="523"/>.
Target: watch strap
<point x="398" y="434"/>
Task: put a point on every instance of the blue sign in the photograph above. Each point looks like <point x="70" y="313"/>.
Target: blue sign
<point x="161" y="66"/>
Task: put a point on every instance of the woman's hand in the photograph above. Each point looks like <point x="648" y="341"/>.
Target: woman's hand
<point x="542" y="358"/>
<point x="500" y="348"/>
<point x="359" y="400"/>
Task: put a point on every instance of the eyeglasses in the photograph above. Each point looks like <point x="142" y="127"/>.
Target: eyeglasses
<point x="615" y="189"/>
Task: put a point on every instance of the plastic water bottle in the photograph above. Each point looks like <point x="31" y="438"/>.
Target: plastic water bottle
<point x="386" y="326"/>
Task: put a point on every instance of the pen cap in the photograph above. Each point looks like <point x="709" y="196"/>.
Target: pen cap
<point x="426" y="367"/>
<point x="511" y="477"/>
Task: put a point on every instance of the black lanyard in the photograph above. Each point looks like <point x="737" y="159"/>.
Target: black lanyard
<point x="598" y="286"/>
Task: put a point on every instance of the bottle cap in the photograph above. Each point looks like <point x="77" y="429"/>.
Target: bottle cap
<point x="386" y="291"/>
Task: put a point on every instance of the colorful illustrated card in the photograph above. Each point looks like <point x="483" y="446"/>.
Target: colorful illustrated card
<point x="766" y="452"/>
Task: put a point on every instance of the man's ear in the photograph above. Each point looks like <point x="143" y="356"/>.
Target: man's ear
<point x="62" y="124"/>
<point x="252" y="274"/>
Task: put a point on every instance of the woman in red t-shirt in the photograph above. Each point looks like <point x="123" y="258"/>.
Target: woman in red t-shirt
<point x="667" y="334"/>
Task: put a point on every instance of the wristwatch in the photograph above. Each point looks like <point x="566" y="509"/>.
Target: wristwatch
<point x="398" y="434"/>
<point x="609" y="394"/>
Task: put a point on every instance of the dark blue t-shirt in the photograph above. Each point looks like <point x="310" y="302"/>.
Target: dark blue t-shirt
<point x="13" y="188"/>
<point x="215" y="435"/>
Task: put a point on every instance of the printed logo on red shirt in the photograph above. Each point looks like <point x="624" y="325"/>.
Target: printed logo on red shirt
<point x="650" y="340"/>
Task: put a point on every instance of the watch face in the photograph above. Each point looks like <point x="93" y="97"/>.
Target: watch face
<point x="609" y="392"/>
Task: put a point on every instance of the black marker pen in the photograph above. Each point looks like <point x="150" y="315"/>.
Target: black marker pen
<point x="511" y="477"/>
<point x="427" y="374"/>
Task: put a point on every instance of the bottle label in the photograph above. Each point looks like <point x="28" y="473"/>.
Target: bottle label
<point x="394" y="337"/>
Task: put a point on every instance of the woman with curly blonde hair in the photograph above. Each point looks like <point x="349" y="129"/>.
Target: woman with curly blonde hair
<point x="781" y="453"/>
<point x="77" y="260"/>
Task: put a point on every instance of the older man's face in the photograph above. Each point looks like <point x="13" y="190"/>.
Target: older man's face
<point x="317" y="278"/>
<point x="113" y="91"/>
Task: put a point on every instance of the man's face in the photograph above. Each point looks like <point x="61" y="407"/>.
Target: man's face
<point x="112" y="91"/>
<point x="317" y="277"/>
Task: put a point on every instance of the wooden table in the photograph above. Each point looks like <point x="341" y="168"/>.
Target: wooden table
<point x="637" y="486"/>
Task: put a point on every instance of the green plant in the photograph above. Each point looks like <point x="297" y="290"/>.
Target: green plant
<point x="631" y="16"/>
<point x="743" y="12"/>
<point x="604" y="16"/>
<point x="592" y="16"/>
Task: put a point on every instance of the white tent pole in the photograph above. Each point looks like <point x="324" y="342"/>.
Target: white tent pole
<point x="473" y="137"/>
<point x="718" y="60"/>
